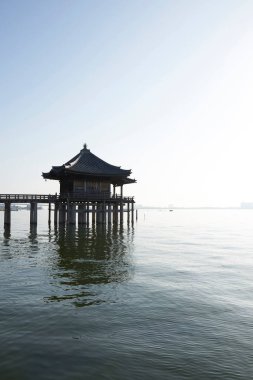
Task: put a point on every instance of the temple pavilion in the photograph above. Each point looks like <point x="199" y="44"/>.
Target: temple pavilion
<point x="88" y="185"/>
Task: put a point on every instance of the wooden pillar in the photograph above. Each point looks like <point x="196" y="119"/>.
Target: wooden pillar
<point x="121" y="213"/>
<point x="109" y="211"/>
<point x="128" y="211"/>
<point x="103" y="211"/>
<point x="7" y="231"/>
<point x="99" y="213"/>
<point x="115" y="213"/>
<point x="121" y="191"/>
<point x="132" y="211"/>
<point x="62" y="213"/>
<point x="81" y="214"/>
<point x="88" y="213"/>
<point x="33" y="212"/>
<point x="85" y="213"/>
<point x="33" y="232"/>
<point x="49" y="213"/>
<point x="113" y="191"/>
<point x="56" y="208"/>
<point x="7" y="213"/>
<point x="71" y="213"/>
<point x="93" y="213"/>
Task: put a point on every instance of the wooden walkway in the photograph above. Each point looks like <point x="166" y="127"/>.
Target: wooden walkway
<point x="96" y="208"/>
<point x="28" y="198"/>
<point x="49" y="198"/>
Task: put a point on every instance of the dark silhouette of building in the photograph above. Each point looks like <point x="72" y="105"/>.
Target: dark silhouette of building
<point x="87" y="176"/>
<point x="88" y="186"/>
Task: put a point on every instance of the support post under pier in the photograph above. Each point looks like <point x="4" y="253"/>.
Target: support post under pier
<point x="49" y="213"/>
<point x="103" y="210"/>
<point x="7" y="214"/>
<point x="71" y="213"/>
<point x="128" y="211"/>
<point x="93" y="213"/>
<point x="109" y="213"/>
<point x="62" y="213"/>
<point x="115" y="213"/>
<point x="33" y="212"/>
<point x="56" y="209"/>
<point x="121" y="213"/>
<point x="88" y="213"/>
<point x="99" y="213"/>
<point x="132" y="211"/>
<point x="81" y="214"/>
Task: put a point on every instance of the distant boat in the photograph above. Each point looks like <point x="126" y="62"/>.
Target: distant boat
<point x="171" y="210"/>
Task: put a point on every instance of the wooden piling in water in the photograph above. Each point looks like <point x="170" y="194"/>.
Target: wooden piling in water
<point x="56" y="208"/>
<point x="49" y="213"/>
<point x="33" y="213"/>
<point x="62" y="213"/>
<point x="81" y="213"/>
<point x="109" y="213"/>
<point x="93" y="213"/>
<point x="71" y="213"/>
<point x="7" y="213"/>
<point x="121" y="213"/>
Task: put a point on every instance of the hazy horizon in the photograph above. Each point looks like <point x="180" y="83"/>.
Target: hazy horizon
<point x="163" y="88"/>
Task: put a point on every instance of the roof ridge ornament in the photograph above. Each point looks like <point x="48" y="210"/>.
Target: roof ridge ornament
<point x="85" y="148"/>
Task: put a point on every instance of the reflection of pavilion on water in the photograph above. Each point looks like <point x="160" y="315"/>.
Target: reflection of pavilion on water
<point x="88" y="259"/>
<point x="87" y="189"/>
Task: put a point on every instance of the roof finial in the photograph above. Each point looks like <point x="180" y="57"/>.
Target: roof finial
<point x="85" y="149"/>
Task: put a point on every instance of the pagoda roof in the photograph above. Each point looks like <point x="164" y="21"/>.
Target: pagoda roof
<point x="86" y="163"/>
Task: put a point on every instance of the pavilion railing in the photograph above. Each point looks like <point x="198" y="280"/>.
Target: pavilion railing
<point x="94" y="197"/>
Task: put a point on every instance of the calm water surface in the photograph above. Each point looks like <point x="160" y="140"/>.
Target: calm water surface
<point x="171" y="298"/>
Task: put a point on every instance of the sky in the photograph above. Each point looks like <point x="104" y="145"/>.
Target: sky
<point x="162" y="87"/>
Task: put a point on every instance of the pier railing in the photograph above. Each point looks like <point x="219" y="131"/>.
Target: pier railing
<point x="74" y="197"/>
<point x="17" y="198"/>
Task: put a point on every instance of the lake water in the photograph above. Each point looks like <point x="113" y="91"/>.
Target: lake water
<point x="170" y="298"/>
